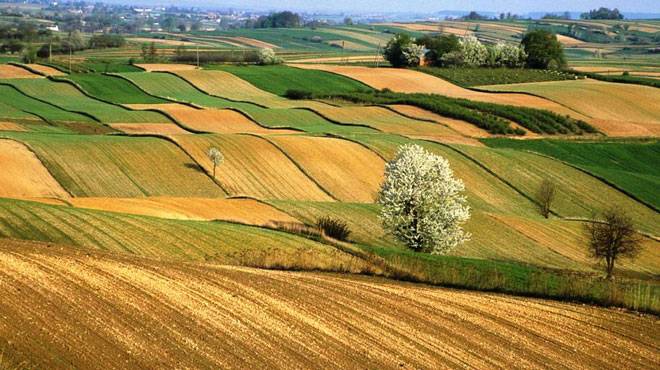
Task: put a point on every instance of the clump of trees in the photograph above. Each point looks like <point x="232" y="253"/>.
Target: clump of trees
<point x="422" y="202"/>
<point x="149" y="52"/>
<point x="266" y="56"/>
<point x="333" y="227"/>
<point x="543" y="50"/>
<point x="451" y="51"/>
<point x="613" y="238"/>
<point x="602" y="13"/>
<point x="284" y="19"/>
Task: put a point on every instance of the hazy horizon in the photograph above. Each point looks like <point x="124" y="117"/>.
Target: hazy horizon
<point x="378" y="6"/>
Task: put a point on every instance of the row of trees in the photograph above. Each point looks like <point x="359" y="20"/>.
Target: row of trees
<point x="602" y="13"/>
<point x="538" y="49"/>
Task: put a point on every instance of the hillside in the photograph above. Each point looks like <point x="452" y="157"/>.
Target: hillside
<point x="165" y="314"/>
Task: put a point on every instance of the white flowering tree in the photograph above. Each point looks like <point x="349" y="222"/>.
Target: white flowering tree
<point x="422" y="201"/>
<point x="266" y="56"/>
<point x="216" y="158"/>
<point x="474" y="53"/>
<point x="413" y="54"/>
<point x="511" y="55"/>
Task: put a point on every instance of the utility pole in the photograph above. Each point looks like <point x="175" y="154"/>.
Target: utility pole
<point x="342" y="52"/>
<point x="377" y="58"/>
<point x="197" y="51"/>
<point x="70" y="52"/>
<point x="50" y="50"/>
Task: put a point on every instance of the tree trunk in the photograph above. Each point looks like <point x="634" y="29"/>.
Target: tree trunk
<point x="214" y="170"/>
<point x="610" y="268"/>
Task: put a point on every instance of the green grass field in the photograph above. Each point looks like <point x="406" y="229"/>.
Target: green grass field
<point x="279" y="79"/>
<point x="630" y="165"/>
<point x="113" y="89"/>
<point x="116" y="166"/>
<point x="70" y="98"/>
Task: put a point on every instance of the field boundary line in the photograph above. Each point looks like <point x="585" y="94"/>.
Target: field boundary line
<point x="29" y="148"/>
<point x="178" y="145"/>
<point x="89" y="115"/>
<point x="598" y="177"/>
<point x="295" y="163"/>
<point x="87" y="94"/>
<point x="484" y="167"/>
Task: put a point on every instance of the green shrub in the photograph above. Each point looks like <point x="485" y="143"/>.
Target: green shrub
<point x="296" y="94"/>
<point x="334" y="228"/>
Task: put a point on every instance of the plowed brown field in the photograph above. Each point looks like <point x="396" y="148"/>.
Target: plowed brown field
<point x="23" y="175"/>
<point x="246" y="211"/>
<point x="9" y="71"/>
<point x="349" y="171"/>
<point x="64" y="308"/>
<point x="409" y="81"/>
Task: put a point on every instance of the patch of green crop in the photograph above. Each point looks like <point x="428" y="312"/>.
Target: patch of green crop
<point x="112" y="88"/>
<point x="279" y="79"/>
<point x="630" y="165"/>
<point x="468" y="77"/>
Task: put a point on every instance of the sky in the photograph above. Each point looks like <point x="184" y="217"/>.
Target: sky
<point x="515" y="6"/>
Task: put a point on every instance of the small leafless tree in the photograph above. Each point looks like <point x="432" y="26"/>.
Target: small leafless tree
<point x="216" y="157"/>
<point x="613" y="238"/>
<point x="546" y="195"/>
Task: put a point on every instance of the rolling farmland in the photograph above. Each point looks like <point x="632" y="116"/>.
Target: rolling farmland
<point x="616" y="109"/>
<point x="230" y="213"/>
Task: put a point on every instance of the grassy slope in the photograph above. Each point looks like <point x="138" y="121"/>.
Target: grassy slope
<point x="279" y="79"/>
<point x="632" y="166"/>
<point x="114" y="89"/>
<point x="70" y="98"/>
<point x="113" y="166"/>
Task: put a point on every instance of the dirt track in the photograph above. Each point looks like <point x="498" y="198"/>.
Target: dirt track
<point x="64" y="308"/>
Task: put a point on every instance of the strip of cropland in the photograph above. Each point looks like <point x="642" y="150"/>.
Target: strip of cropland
<point x="70" y="98"/>
<point x="113" y="89"/>
<point x="629" y="164"/>
<point x="157" y="313"/>
<point x="617" y="109"/>
<point x="253" y="167"/>
<point x="410" y="81"/>
<point x="116" y="166"/>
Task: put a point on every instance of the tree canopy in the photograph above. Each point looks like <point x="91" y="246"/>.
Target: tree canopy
<point x="543" y="50"/>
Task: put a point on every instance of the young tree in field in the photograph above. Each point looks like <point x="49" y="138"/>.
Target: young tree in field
<point x="613" y="238"/>
<point x="266" y="56"/>
<point x="422" y="201"/>
<point x="545" y="196"/>
<point x="543" y="50"/>
<point x="216" y="157"/>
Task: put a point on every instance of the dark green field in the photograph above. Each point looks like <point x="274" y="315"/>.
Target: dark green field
<point x="279" y="79"/>
<point x="113" y="89"/>
<point x="468" y="77"/>
<point x="630" y="165"/>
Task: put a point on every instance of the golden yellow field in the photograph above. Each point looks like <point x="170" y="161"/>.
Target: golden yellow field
<point x="252" y="167"/>
<point x="169" y="67"/>
<point x="349" y="171"/>
<point x="149" y="128"/>
<point x="617" y="109"/>
<point x="10" y="71"/>
<point x="241" y="210"/>
<point x="220" y="121"/>
<point x="46" y="70"/>
<point x="11" y="126"/>
<point x="22" y="175"/>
